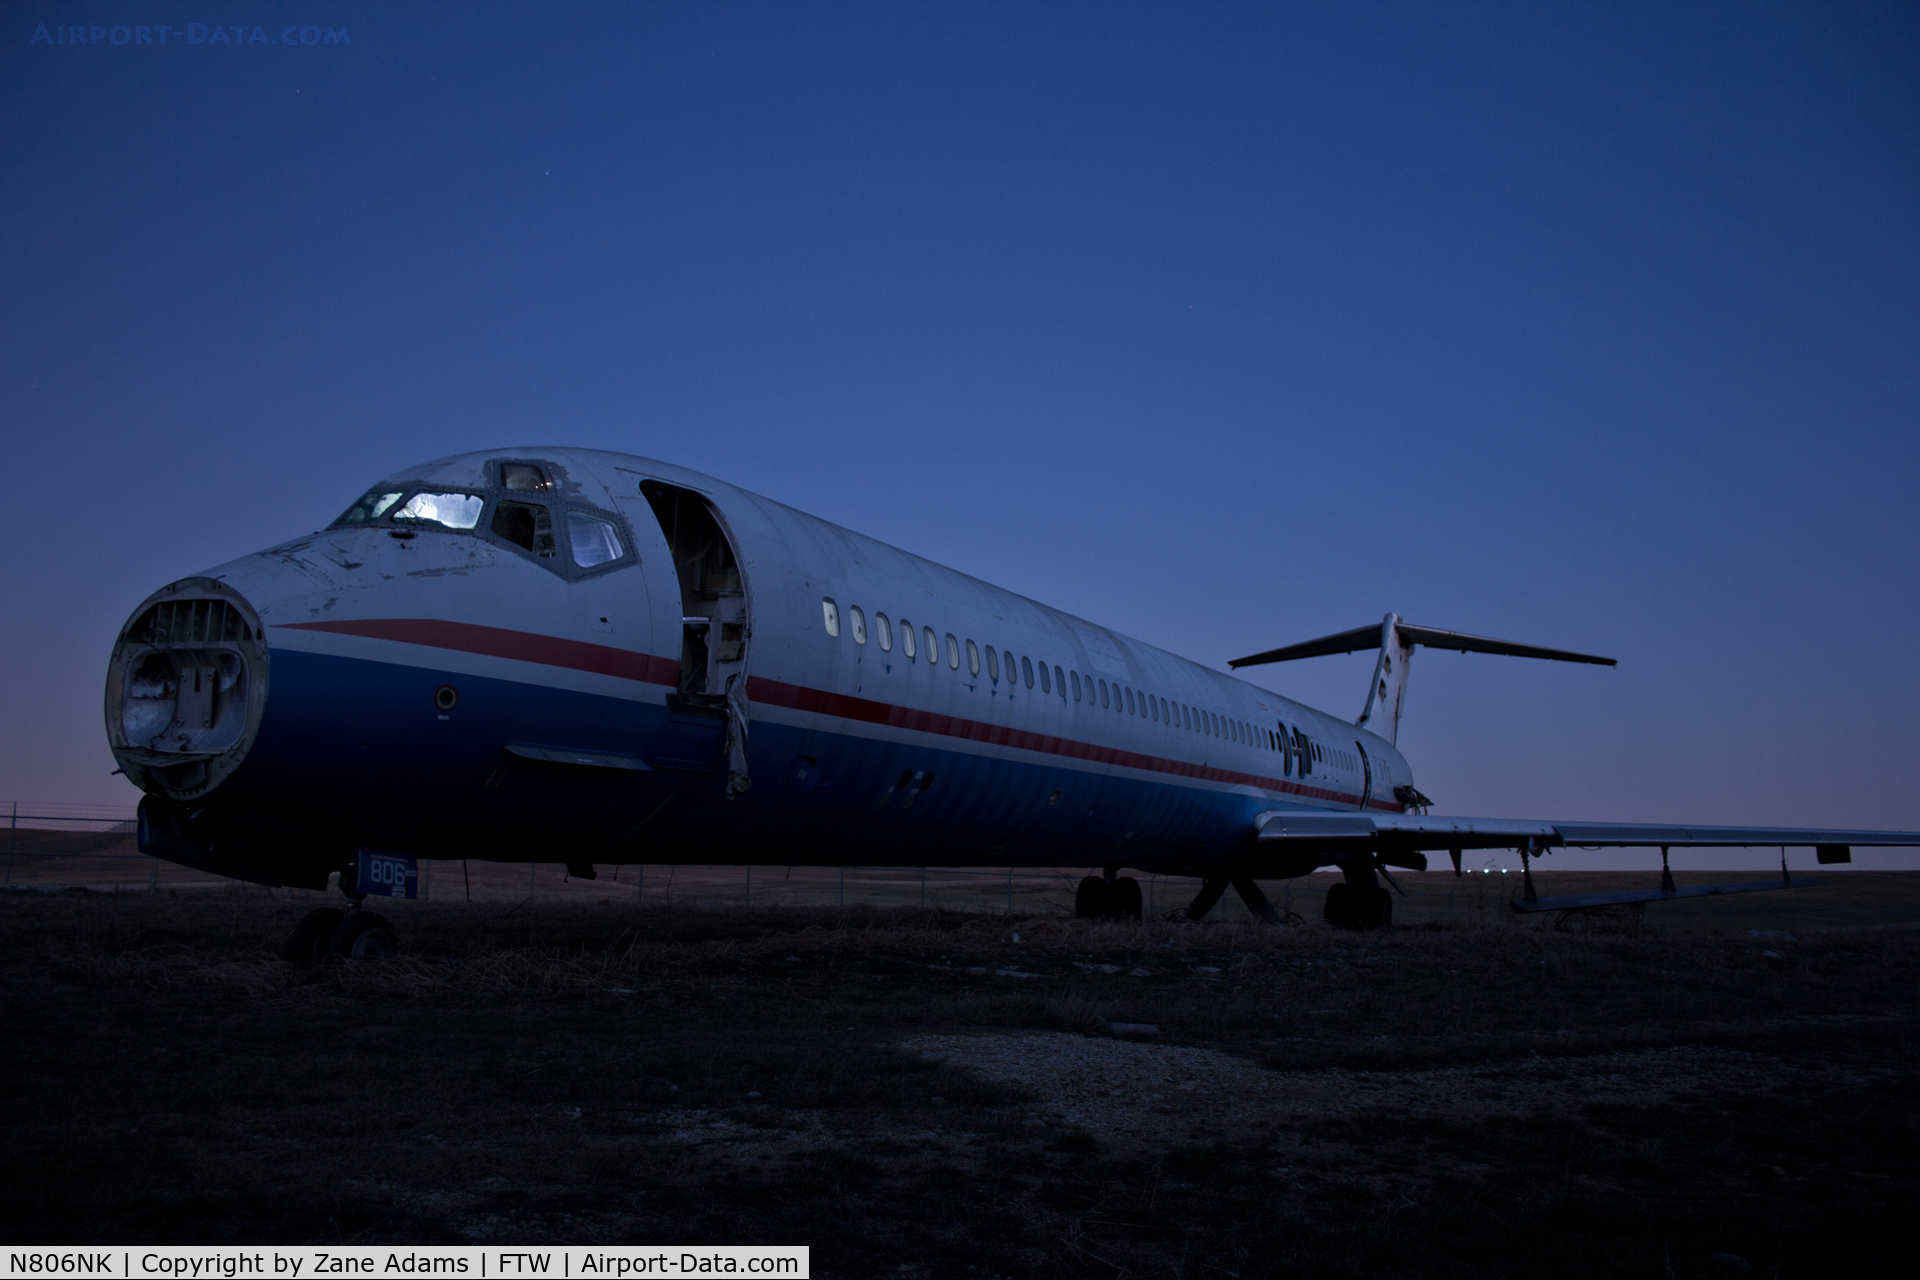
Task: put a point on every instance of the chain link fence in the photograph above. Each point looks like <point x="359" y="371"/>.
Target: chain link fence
<point x="51" y="847"/>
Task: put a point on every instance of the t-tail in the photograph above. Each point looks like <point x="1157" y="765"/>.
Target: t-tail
<point x="1395" y="639"/>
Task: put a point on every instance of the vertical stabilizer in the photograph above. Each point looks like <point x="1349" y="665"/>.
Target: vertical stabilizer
<point x="1387" y="691"/>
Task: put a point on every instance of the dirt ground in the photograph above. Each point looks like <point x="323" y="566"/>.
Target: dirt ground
<point x="1718" y="1087"/>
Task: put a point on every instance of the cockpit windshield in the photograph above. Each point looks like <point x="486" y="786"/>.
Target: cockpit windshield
<point x="371" y="507"/>
<point x="454" y="510"/>
<point x="519" y="506"/>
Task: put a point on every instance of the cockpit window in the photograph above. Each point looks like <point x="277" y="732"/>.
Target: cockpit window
<point x="527" y="526"/>
<point x="523" y="475"/>
<point x="371" y="507"/>
<point x="594" y="541"/>
<point x="454" y="510"/>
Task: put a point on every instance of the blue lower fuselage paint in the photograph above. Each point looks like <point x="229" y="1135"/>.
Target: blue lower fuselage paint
<point x="439" y="784"/>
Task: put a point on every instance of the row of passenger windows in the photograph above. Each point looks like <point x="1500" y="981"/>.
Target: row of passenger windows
<point x="1285" y="742"/>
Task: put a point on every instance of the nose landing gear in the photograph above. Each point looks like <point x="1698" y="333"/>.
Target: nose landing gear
<point x="330" y="933"/>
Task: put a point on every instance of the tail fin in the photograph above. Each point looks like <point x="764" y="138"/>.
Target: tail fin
<point x="1396" y="640"/>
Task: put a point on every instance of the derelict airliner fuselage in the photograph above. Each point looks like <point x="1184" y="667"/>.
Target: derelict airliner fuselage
<point x="583" y="657"/>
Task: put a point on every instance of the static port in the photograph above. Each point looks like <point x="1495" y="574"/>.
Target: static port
<point x="446" y="697"/>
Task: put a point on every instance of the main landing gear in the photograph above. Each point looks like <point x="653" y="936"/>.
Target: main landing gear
<point x="329" y="933"/>
<point x="1363" y="906"/>
<point x="1109" y="897"/>
<point x="1359" y="901"/>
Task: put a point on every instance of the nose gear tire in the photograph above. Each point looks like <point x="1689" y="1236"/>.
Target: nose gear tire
<point x="364" y="935"/>
<point x="309" y="939"/>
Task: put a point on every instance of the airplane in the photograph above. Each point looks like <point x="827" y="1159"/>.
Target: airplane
<point x="578" y="656"/>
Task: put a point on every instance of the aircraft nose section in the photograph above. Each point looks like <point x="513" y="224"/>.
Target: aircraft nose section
<point x="186" y="688"/>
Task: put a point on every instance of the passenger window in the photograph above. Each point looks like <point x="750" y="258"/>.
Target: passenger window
<point x="371" y="507"/>
<point x="1060" y="680"/>
<point x="525" y="526"/>
<point x="933" y="646"/>
<point x="906" y="637"/>
<point x="1130" y="707"/>
<point x="1165" y="716"/>
<point x="993" y="664"/>
<point x="1026" y="669"/>
<point x="953" y="652"/>
<point x="832" y="613"/>
<point x="1075" y="677"/>
<point x="1186" y="716"/>
<point x="1046" y="685"/>
<point x="1103" y="693"/>
<point x="524" y="476"/>
<point x="859" y="624"/>
<point x="973" y="658"/>
<point x="454" y="510"/>
<point x="1153" y="709"/>
<point x="883" y="632"/>
<point x="595" y="541"/>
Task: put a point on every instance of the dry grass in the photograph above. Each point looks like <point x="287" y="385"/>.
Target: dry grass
<point x="587" y="1071"/>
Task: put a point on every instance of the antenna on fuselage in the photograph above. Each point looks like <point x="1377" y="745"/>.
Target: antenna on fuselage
<point x="1395" y="640"/>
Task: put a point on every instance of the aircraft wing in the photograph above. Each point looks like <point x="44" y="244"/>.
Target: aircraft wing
<point x="1396" y="832"/>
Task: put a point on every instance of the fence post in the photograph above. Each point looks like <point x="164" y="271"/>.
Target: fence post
<point x="1009" y="890"/>
<point x="531" y="868"/>
<point x="749" y="884"/>
<point x="426" y="865"/>
<point x="13" y="824"/>
<point x="843" y="886"/>
<point x="640" y="884"/>
<point x="923" y="886"/>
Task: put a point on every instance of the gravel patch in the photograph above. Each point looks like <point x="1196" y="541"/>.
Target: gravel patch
<point x="1129" y="1092"/>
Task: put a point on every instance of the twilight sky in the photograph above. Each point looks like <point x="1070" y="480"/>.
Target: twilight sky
<point x="1224" y="325"/>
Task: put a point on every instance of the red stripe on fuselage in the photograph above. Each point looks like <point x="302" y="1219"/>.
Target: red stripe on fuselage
<point x="577" y="655"/>
<point x="847" y="707"/>
<point x="499" y="642"/>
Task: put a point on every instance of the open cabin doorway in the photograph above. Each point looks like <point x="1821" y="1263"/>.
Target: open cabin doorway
<point x="713" y="597"/>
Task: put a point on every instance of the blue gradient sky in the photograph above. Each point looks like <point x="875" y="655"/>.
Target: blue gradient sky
<point x="1223" y="325"/>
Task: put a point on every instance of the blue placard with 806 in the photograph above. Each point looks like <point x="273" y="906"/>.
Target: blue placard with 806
<point x="387" y="875"/>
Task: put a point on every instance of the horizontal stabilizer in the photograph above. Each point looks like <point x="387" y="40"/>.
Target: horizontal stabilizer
<point x="1576" y="901"/>
<point x="1369" y="637"/>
